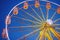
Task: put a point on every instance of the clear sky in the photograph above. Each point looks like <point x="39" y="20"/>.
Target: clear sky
<point x="5" y="7"/>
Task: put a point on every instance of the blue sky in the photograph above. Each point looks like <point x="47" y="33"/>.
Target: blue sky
<point x="5" y="7"/>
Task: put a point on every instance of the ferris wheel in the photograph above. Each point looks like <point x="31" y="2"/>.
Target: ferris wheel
<point x="34" y="20"/>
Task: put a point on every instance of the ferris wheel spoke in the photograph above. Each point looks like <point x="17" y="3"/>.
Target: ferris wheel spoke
<point x="47" y="14"/>
<point x="27" y="20"/>
<point x="48" y="36"/>
<point x="57" y="28"/>
<point x="42" y="34"/>
<point x="50" y="33"/>
<point x="31" y="16"/>
<point x="42" y="13"/>
<point x="56" y="34"/>
<point x="57" y="20"/>
<point x="36" y="13"/>
<point x="40" y="16"/>
<point x="38" y="37"/>
<point x="55" y="25"/>
<point x="28" y="34"/>
<point x="53" y="15"/>
<point x="30" y="26"/>
<point x="21" y="30"/>
<point x="42" y="37"/>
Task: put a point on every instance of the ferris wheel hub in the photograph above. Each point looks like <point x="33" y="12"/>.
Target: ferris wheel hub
<point x="49" y="21"/>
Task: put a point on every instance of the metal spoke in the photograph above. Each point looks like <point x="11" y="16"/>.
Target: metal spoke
<point x="31" y="16"/>
<point x="38" y="37"/>
<point x="57" y="28"/>
<point x="42" y="13"/>
<point x="40" y="16"/>
<point x="30" y="26"/>
<point x="42" y="34"/>
<point x="28" y="34"/>
<point x="36" y="13"/>
<point x="27" y="20"/>
<point x="47" y="14"/>
<point x="57" y="20"/>
<point x="53" y="15"/>
<point x="50" y="34"/>
<point x="56" y="34"/>
<point x="55" y="24"/>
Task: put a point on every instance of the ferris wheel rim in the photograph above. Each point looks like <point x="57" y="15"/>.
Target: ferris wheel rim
<point x="18" y="5"/>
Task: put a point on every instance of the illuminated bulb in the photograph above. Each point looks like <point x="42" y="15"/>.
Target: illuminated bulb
<point x="49" y="21"/>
